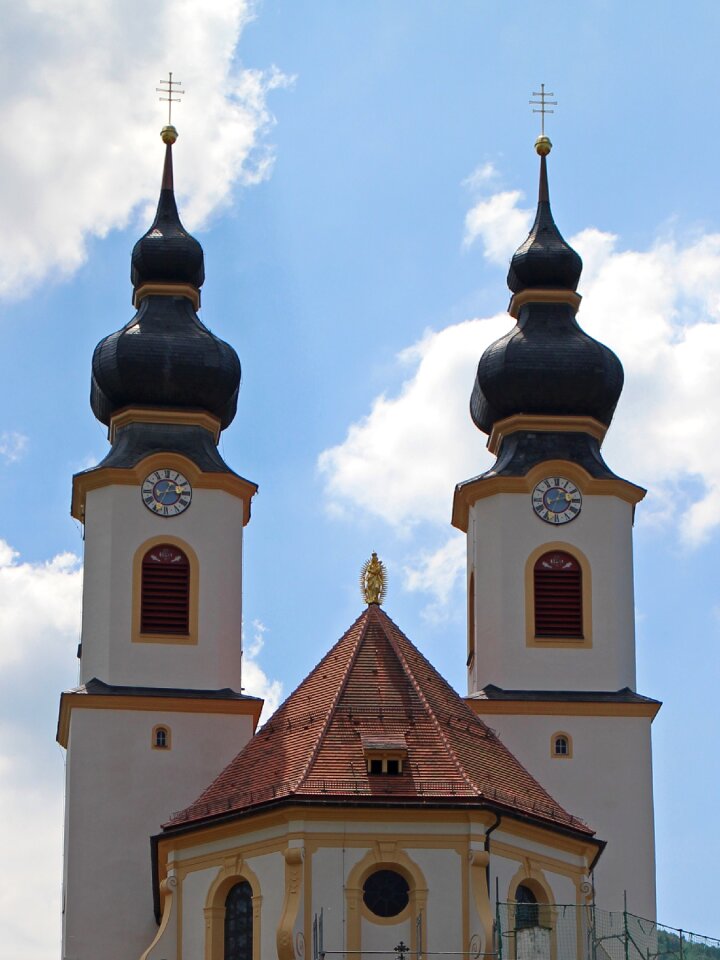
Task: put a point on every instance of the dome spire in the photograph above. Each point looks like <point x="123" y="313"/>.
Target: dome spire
<point x="545" y="259"/>
<point x="547" y="366"/>
<point x="165" y="358"/>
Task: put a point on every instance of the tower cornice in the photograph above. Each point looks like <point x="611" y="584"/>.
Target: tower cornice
<point x="489" y="484"/>
<point x="199" y="418"/>
<point x="231" y="483"/>
<point x="543" y="424"/>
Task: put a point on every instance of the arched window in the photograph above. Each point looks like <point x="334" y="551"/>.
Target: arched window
<point x="161" y="738"/>
<point x="558" y="596"/>
<point x="527" y="911"/>
<point x="165" y="591"/>
<point x="561" y="745"/>
<point x="238" y="943"/>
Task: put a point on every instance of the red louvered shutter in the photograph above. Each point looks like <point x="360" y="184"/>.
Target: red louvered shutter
<point x="165" y="596"/>
<point x="558" y="596"/>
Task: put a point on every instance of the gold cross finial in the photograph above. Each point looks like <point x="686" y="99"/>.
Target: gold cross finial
<point x="542" y="144"/>
<point x="170" y="87"/>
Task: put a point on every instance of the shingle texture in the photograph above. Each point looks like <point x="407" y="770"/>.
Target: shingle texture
<point x="374" y="687"/>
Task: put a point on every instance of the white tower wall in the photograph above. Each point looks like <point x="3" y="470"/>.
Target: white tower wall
<point x="119" y="790"/>
<point x="117" y="524"/>
<point x="503" y="532"/>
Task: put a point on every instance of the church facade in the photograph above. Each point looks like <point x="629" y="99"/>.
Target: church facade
<point x="377" y="810"/>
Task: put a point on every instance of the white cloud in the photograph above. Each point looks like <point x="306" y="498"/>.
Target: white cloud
<point x="436" y="572"/>
<point x="499" y="223"/>
<point x="482" y="175"/>
<point x="408" y="445"/>
<point x="31" y="810"/>
<point x="39" y="607"/>
<point x="659" y="309"/>
<point x="12" y="446"/>
<point x="255" y="680"/>
<point x="39" y="629"/>
<point x="81" y="119"/>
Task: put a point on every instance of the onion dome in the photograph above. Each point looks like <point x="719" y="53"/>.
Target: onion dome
<point x="165" y="357"/>
<point x="547" y="365"/>
<point x="167" y="253"/>
<point x="545" y="260"/>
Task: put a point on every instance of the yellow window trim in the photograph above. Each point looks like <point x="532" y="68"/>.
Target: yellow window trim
<point x="234" y="870"/>
<point x="531" y="640"/>
<point x="561" y="756"/>
<point x="191" y="637"/>
<point x="168" y="737"/>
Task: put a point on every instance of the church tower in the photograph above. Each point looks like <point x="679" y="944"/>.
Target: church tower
<point x="551" y="639"/>
<point x="160" y="710"/>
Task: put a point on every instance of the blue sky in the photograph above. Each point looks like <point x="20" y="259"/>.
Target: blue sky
<point x="359" y="174"/>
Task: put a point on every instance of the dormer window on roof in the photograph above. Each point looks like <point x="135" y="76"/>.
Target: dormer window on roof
<point x="384" y="757"/>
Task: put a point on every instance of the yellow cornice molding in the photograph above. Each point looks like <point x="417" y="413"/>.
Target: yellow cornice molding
<point x="199" y="418"/>
<point x="540" y="295"/>
<point x="170" y="704"/>
<point x="542" y="424"/>
<point x="561" y="708"/>
<point x="231" y="483"/>
<point x="468" y="493"/>
<point x="167" y="290"/>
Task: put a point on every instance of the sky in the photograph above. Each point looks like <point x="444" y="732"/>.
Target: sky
<point x="359" y="175"/>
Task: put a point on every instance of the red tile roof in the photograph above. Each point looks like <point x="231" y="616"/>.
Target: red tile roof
<point x="374" y="687"/>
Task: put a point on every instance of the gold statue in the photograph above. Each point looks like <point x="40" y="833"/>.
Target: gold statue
<point x="373" y="580"/>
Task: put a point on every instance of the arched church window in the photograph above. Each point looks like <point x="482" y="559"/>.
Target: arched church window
<point x="558" y="596"/>
<point x="238" y="943"/>
<point x="165" y="591"/>
<point x="527" y="911"/>
<point x="561" y="745"/>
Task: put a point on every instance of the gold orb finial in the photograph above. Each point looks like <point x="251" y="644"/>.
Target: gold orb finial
<point x="543" y="145"/>
<point x="373" y="580"/>
<point x="169" y="134"/>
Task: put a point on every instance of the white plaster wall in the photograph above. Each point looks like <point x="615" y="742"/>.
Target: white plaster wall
<point x="270" y="871"/>
<point x="118" y="793"/>
<point x="116" y="524"/>
<point x="502" y="534"/>
<point x="442" y="924"/>
<point x="382" y="937"/>
<point x="608" y="782"/>
<point x="195" y="887"/>
<point x="330" y="868"/>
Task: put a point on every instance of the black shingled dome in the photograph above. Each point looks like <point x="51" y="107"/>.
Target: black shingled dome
<point x="165" y="357"/>
<point x="167" y="253"/>
<point x="547" y="365"/>
<point x="545" y="260"/>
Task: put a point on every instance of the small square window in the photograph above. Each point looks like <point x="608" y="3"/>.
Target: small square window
<point x="375" y="765"/>
<point x="393" y="766"/>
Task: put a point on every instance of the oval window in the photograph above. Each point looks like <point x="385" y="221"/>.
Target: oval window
<point x="386" y="893"/>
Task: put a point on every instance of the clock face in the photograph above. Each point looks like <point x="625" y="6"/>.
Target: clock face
<point x="166" y="493"/>
<point x="556" y="500"/>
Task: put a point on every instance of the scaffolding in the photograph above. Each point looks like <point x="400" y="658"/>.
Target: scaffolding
<point x="584" y="932"/>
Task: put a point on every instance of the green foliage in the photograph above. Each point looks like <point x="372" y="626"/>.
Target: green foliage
<point x="670" y="947"/>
